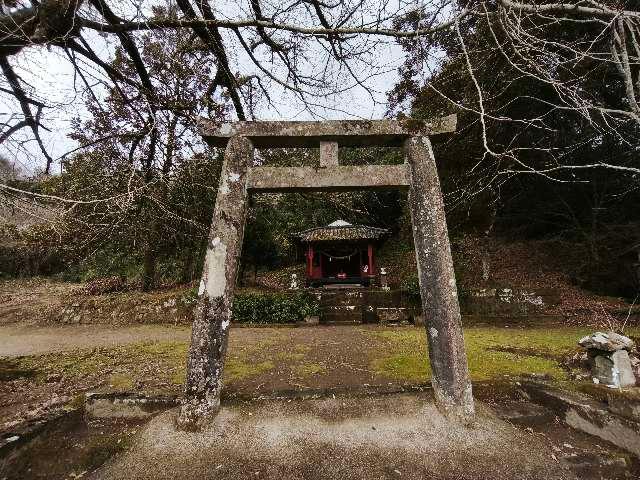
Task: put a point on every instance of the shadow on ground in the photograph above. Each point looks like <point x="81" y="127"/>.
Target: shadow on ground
<point x="392" y="436"/>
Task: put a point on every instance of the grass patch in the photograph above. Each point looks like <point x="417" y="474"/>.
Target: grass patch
<point x="121" y="382"/>
<point x="13" y="369"/>
<point x="178" y="376"/>
<point x="531" y="350"/>
<point x="309" y="369"/>
<point x="403" y="366"/>
<point x="301" y="348"/>
<point x="159" y="365"/>
<point x="290" y="356"/>
<point x="119" y="367"/>
<point x="77" y="401"/>
<point x="238" y="369"/>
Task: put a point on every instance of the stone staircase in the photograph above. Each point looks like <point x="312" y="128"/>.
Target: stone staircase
<point x="348" y="306"/>
<point x="341" y="306"/>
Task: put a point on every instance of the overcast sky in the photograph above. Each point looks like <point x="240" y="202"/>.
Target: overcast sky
<point x="49" y="73"/>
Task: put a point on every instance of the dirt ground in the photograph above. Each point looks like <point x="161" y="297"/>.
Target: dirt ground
<point x="25" y="300"/>
<point x="313" y="402"/>
<point x="377" y="437"/>
<point x="44" y="367"/>
<point x="21" y="340"/>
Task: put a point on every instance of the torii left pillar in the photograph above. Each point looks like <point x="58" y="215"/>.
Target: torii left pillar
<point x="210" y="331"/>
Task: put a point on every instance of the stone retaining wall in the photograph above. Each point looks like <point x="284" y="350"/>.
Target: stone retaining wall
<point x="344" y="306"/>
<point x="507" y="301"/>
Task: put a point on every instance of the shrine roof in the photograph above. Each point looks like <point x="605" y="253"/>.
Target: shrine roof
<point x="341" y="230"/>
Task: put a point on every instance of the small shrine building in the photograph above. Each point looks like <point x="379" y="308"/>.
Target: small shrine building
<point x="341" y="253"/>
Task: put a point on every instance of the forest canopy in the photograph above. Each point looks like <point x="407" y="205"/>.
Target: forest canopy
<point x="546" y="95"/>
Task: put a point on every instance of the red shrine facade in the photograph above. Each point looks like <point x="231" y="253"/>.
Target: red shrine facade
<point x="341" y="253"/>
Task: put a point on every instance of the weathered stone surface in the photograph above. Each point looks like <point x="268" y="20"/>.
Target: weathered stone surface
<point x="625" y="403"/>
<point x="210" y="331"/>
<point x="507" y="301"/>
<point x="341" y="314"/>
<point x="588" y="415"/>
<point x="622" y="363"/>
<point x="450" y="378"/>
<point x="130" y="406"/>
<point x="362" y="177"/>
<point x="608" y="427"/>
<point x="328" y="154"/>
<point x="353" y="133"/>
<point x="522" y="411"/>
<point x="614" y="370"/>
<point x="607" y="342"/>
<point x="440" y="306"/>
<point x="391" y="315"/>
<point x="610" y="466"/>
<point x="311" y="320"/>
<point x="635" y="365"/>
<point x="363" y="305"/>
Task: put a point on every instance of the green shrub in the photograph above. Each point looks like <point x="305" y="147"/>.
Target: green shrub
<point x="190" y="296"/>
<point x="411" y="286"/>
<point x="273" y="307"/>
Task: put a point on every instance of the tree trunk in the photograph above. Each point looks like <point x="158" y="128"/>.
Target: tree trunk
<point x="186" y="275"/>
<point x="440" y="307"/>
<point x="149" y="266"/>
<point x="215" y="295"/>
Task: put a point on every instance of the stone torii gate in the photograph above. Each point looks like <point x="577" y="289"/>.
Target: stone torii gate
<point x="450" y="376"/>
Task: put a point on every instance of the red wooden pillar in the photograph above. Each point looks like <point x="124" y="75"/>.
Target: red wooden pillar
<point x="310" y="262"/>
<point x="370" y="252"/>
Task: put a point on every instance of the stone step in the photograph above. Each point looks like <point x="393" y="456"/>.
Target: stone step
<point x="341" y="299"/>
<point x="342" y="286"/>
<point x="341" y="309"/>
<point x="341" y="317"/>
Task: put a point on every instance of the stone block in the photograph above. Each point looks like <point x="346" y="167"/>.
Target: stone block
<point x="130" y="406"/>
<point x="614" y="369"/>
<point x="625" y="403"/>
<point x="392" y="315"/>
<point x="588" y="415"/>
<point x="606" y="342"/>
<point x="311" y="320"/>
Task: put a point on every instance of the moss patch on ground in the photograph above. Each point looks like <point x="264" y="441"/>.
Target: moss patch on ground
<point x="310" y="369"/>
<point x="12" y="369"/>
<point x="491" y="352"/>
<point x="153" y="365"/>
<point x="400" y="354"/>
<point x="237" y="369"/>
<point x="119" y="368"/>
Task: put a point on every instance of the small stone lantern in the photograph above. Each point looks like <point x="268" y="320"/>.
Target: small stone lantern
<point x="383" y="278"/>
<point x="609" y="358"/>
<point x="294" y="282"/>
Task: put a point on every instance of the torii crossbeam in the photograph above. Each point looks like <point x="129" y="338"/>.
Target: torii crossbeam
<point x="450" y="375"/>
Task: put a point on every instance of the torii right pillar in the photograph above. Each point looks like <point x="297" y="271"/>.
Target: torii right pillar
<point x="440" y="307"/>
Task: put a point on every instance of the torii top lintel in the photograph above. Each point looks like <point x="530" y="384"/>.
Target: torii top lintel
<point x="309" y="134"/>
